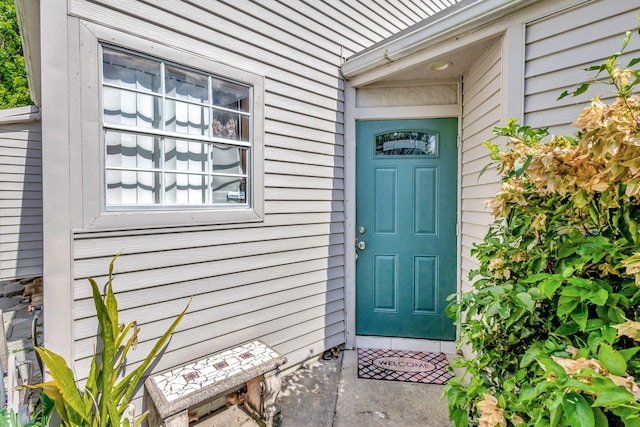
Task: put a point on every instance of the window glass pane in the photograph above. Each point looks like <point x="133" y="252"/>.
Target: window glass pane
<point x="132" y="151"/>
<point x="186" y="118"/>
<point x="230" y="95"/>
<point x="229" y="189"/>
<point x="130" y="71"/>
<point x="230" y="126"/>
<point x="406" y="143"/>
<point x="126" y="187"/>
<point x="123" y="107"/>
<point x="185" y="156"/>
<point x="185" y="189"/>
<point x="186" y="85"/>
<point x="230" y="160"/>
<point x="150" y="126"/>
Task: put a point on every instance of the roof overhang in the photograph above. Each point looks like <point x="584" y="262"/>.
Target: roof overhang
<point x="28" y="12"/>
<point x="468" y="15"/>
<point x="30" y="113"/>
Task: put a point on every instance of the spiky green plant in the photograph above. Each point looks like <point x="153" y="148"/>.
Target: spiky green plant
<point x="105" y="400"/>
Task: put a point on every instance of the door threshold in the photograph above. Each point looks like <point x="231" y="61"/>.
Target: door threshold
<point x="408" y="344"/>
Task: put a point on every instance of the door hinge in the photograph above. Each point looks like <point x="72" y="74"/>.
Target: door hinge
<point x="457" y="229"/>
<point x="458" y="141"/>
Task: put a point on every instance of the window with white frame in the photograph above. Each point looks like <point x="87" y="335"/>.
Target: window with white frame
<point x="174" y="137"/>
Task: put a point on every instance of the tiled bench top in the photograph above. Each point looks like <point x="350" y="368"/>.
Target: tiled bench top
<point x="198" y="382"/>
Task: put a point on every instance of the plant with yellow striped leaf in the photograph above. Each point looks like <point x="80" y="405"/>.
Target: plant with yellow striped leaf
<point x="105" y="400"/>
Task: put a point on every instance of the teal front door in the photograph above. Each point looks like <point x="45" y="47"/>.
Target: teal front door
<point x="406" y="215"/>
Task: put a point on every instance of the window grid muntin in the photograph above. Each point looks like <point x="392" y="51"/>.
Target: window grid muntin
<point x="245" y="147"/>
<point x="209" y="174"/>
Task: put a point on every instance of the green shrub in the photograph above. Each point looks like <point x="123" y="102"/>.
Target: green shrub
<point x="553" y="319"/>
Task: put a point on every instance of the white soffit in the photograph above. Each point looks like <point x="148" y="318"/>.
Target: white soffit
<point x="460" y="18"/>
<point x="28" y="12"/>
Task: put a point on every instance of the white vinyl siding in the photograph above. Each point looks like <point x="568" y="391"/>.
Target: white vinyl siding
<point x="560" y="46"/>
<point x="282" y="279"/>
<point x="481" y="112"/>
<point x="20" y="197"/>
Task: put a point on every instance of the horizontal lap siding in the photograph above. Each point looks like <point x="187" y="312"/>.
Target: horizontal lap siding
<point x="281" y="280"/>
<point x="559" y="47"/>
<point x="20" y="200"/>
<point x="481" y="99"/>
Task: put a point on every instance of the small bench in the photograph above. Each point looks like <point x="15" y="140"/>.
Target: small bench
<point x="170" y="395"/>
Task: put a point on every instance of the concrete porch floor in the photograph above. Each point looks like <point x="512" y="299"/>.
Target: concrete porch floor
<point x="330" y="394"/>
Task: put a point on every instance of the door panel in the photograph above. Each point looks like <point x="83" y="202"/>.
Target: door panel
<point x="406" y="213"/>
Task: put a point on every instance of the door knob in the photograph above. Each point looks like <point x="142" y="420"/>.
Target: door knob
<point x="362" y="245"/>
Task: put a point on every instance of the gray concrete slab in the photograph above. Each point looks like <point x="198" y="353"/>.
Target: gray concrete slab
<point x="308" y="396"/>
<point x="373" y="403"/>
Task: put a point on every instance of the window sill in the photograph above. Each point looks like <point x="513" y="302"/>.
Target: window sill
<point x="164" y="218"/>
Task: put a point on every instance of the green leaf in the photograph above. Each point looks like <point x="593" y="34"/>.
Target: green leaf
<point x="612" y="360"/>
<point x="566" y="305"/>
<point x="614" y="396"/>
<point x="524" y="167"/>
<point x="578" y="411"/>
<point x="609" y="334"/>
<point x="555" y="411"/>
<point x="600" y="418"/>
<point x="580" y="316"/>
<point x="108" y="352"/>
<point x="567" y="328"/>
<point x="579" y="385"/>
<point x="533" y="278"/>
<point x="459" y="417"/>
<point x="594" y="324"/>
<point x="53" y="392"/>
<point x="581" y="89"/>
<point x="529" y="356"/>
<point x="628" y="353"/>
<point x="524" y="300"/>
<point x="65" y="382"/>
<point x="599" y="297"/>
<point x="110" y="301"/>
<point x="550" y="286"/>
<point x="551" y="366"/>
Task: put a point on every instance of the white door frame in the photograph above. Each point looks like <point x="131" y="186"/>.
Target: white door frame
<point x="353" y="113"/>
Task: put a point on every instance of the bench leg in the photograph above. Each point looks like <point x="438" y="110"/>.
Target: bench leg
<point x="261" y="396"/>
<point x="181" y="419"/>
<point x="271" y="409"/>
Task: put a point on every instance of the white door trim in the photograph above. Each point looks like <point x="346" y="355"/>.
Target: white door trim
<point x="353" y="113"/>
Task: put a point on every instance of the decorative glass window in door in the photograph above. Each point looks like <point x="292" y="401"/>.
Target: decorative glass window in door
<point x="407" y="143"/>
<point x="173" y="136"/>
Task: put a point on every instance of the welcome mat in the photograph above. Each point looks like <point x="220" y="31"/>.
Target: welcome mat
<point x="399" y="365"/>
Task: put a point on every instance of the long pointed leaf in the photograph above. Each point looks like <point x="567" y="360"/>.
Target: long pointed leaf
<point x="141" y="418"/>
<point x="123" y="334"/>
<point x="123" y="354"/>
<point x="110" y="299"/>
<point x="51" y="391"/>
<point x="113" y="414"/>
<point x="92" y="379"/>
<point x="108" y="351"/>
<point x="64" y="381"/>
